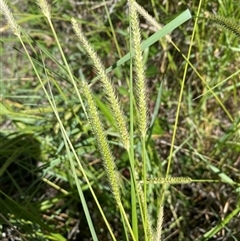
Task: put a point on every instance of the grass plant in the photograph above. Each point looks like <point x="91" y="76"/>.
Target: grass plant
<point x="144" y="149"/>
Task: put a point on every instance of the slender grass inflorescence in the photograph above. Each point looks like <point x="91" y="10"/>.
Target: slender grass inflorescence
<point x="150" y="19"/>
<point x="147" y="16"/>
<point x="158" y="235"/>
<point x="142" y="109"/>
<point x="103" y="146"/>
<point x="107" y="85"/>
<point x="16" y="29"/>
<point x="169" y="180"/>
<point x="139" y="71"/>
<point x="227" y="23"/>
<point x="45" y="7"/>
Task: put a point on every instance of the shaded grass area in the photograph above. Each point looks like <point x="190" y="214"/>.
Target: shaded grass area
<point x="38" y="190"/>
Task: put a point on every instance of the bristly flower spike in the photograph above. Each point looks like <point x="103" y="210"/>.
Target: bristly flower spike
<point x="107" y="85"/>
<point x="139" y="70"/>
<point x="45" y="7"/>
<point x="102" y="143"/>
<point x="227" y="23"/>
<point x="16" y="29"/>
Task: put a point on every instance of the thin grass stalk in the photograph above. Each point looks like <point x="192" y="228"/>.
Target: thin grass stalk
<point x="134" y="197"/>
<point x="45" y="7"/>
<point x="124" y="226"/>
<point x="181" y="93"/>
<point x="112" y="28"/>
<point x="149" y="231"/>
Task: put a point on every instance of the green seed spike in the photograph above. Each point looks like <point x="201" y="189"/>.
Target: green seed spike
<point x="227" y="23"/>
<point x="170" y="180"/>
